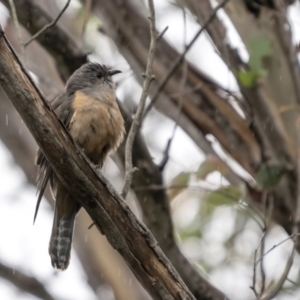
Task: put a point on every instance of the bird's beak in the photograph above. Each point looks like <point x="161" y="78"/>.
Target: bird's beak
<point x="113" y="72"/>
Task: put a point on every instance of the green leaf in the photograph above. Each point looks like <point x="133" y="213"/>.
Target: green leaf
<point x="180" y="183"/>
<point x="260" y="48"/>
<point x="247" y="78"/>
<point x="210" y="165"/>
<point x="228" y="195"/>
<point x="191" y="231"/>
<point x="261" y="73"/>
<point x="269" y="176"/>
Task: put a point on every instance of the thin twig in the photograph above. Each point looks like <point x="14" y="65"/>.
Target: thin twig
<point x="268" y="210"/>
<point x="261" y="248"/>
<point x="296" y="221"/>
<point x="166" y="152"/>
<point x="46" y="27"/>
<point x="256" y="212"/>
<point x="267" y="217"/>
<point x="297" y="214"/>
<point x="262" y="269"/>
<point x="17" y="25"/>
<point x="253" y="287"/>
<point x="274" y="291"/>
<point x="136" y="123"/>
<point x="277" y="245"/>
<point x="166" y="157"/>
<point x="247" y="210"/>
<point x="180" y="58"/>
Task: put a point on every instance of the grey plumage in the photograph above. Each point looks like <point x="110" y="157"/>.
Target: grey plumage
<point x="88" y="109"/>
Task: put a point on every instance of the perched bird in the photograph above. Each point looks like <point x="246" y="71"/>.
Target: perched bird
<point x="89" y="110"/>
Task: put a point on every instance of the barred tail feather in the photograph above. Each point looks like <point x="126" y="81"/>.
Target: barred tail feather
<point x="61" y="238"/>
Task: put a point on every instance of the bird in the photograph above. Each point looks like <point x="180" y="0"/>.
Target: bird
<point x="89" y="110"/>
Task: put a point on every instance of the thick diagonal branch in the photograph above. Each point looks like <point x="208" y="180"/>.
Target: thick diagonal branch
<point x="113" y="217"/>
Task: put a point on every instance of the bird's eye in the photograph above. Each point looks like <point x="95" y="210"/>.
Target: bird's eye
<point x="99" y="75"/>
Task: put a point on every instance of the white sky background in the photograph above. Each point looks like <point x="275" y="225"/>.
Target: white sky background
<point x="26" y="246"/>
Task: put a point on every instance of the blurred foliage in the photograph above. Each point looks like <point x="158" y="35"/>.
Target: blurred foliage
<point x="179" y="184"/>
<point x="211" y="164"/>
<point x="227" y="195"/>
<point x="269" y="176"/>
<point x="260" y="50"/>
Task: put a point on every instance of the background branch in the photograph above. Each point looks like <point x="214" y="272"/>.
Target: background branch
<point x="148" y="78"/>
<point x="24" y="282"/>
<point x="66" y="55"/>
<point x="180" y="58"/>
<point x="48" y="26"/>
<point x="157" y="208"/>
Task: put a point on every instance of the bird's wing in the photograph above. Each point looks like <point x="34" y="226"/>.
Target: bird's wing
<point x="62" y="106"/>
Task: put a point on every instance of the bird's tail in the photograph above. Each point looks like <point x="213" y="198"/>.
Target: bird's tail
<point x="60" y="244"/>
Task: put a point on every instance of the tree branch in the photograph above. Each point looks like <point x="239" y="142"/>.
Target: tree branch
<point x="139" y="114"/>
<point x="204" y="111"/>
<point x="16" y="22"/>
<point x="96" y="264"/>
<point x="48" y="26"/>
<point x="180" y="58"/>
<point x="24" y="282"/>
<point x="67" y="55"/>
<point x="112" y="215"/>
<point x="166" y="157"/>
<point x="275" y="289"/>
<point x="156" y="209"/>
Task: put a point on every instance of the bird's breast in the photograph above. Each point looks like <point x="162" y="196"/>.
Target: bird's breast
<point x="97" y="126"/>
